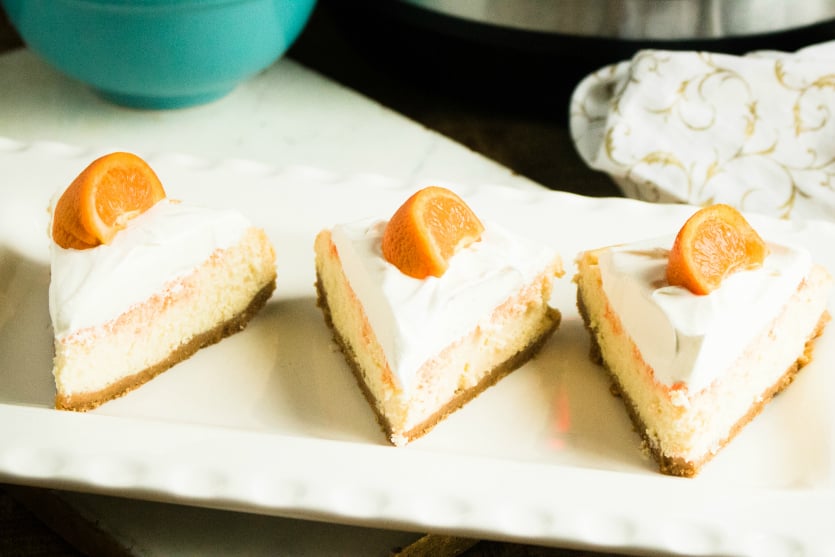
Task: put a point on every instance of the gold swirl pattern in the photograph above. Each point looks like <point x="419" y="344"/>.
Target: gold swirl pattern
<point x="754" y="131"/>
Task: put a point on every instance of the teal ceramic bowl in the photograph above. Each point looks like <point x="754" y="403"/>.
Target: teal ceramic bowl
<point x="159" y="53"/>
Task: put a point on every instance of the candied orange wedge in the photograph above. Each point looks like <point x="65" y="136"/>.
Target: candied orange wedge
<point x="427" y="230"/>
<point x="715" y="242"/>
<point x="113" y="189"/>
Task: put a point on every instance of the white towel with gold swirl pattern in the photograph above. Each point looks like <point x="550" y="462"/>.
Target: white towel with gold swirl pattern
<point x="755" y="131"/>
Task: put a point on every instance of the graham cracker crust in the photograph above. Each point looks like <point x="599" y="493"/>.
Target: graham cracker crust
<point x="677" y="466"/>
<point x="88" y="401"/>
<point x="460" y="399"/>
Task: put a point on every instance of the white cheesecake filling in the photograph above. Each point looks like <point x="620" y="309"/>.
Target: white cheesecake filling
<point x="415" y="319"/>
<point x="92" y="286"/>
<point x="686" y="338"/>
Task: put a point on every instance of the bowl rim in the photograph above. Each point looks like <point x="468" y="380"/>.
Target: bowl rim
<point x="302" y="5"/>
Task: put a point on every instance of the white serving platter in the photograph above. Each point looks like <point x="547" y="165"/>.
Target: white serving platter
<point x="270" y="421"/>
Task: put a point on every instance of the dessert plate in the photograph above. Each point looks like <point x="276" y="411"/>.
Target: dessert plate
<point x="270" y="421"/>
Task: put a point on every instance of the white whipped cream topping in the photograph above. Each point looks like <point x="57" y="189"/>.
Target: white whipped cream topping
<point x="415" y="319"/>
<point x="688" y="338"/>
<point x="91" y="286"/>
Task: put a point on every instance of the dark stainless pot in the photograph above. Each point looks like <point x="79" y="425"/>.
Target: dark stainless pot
<point x="638" y="19"/>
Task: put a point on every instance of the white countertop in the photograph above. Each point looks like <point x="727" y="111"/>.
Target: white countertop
<point x="287" y="115"/>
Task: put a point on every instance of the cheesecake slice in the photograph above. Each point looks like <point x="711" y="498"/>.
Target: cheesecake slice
<point x="692" y="369"/>
<point x="422" y="348"/>
<point x="171" y="280"/>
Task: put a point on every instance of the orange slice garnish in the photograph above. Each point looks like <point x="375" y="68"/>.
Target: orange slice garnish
<point x="102" y="199"/>
<point x="715" y="242"/>
<point x="427" y="230"/>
